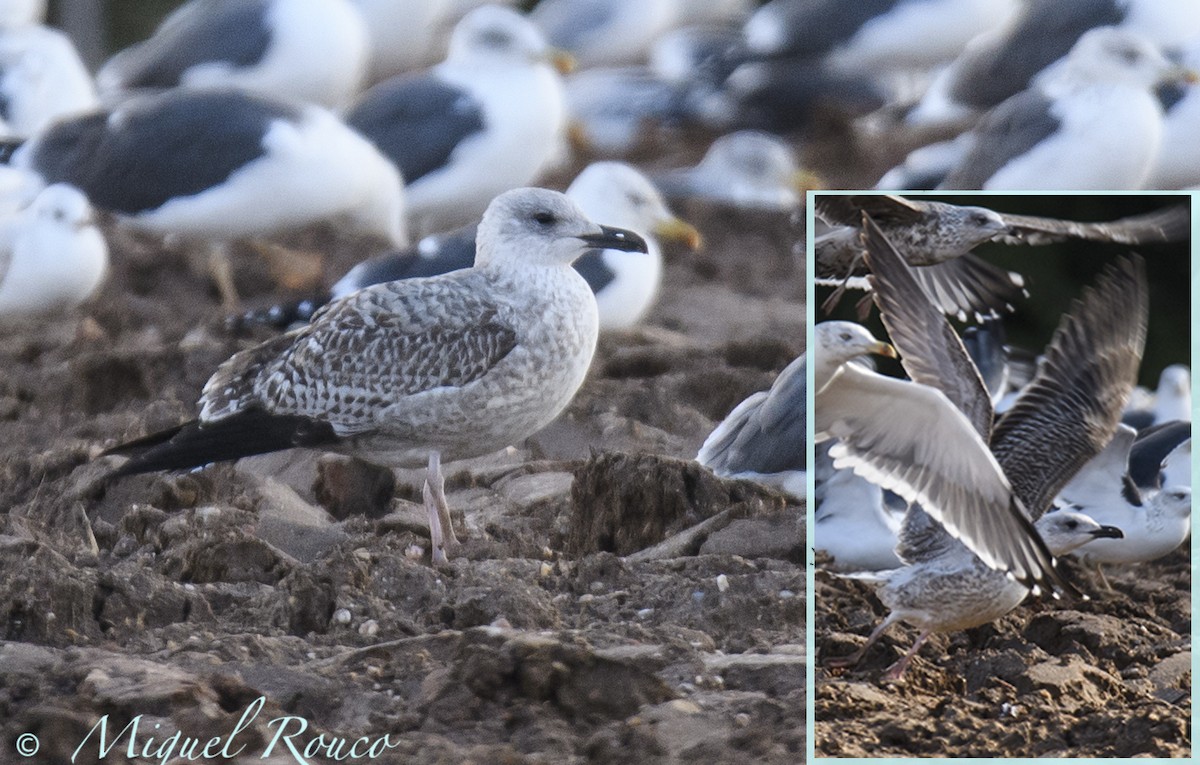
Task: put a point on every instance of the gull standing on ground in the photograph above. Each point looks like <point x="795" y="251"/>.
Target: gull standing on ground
<point x="410" y="372"/>
<point x="211" y="164"/>
<point x="306" y="50"/>
<point x="626" y="284"/>
<point x="1092" y="122"/>
<point x="490" y="118"/>
<point x="52" y="254"/>
<point x="748" y="169"/>
<point x="42" y="79"/>
<point x="764" y="438"/>
<point x="972" y="550"/>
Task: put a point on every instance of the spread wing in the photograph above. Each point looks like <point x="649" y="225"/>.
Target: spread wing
<point x="1170" y="224"/>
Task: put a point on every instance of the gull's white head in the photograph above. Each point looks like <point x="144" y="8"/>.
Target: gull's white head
<point x="837" y="342"/>
<point x="543" y="228"/>
<point x="1108" y="55"/>
<point x="615" y="194"/>
<point x="493" y="35"/>
<point x="1172" y="502"/>
<point x="62" y="205"/>
<point x="1067" y="530"/>
<point x="757" y="169"/>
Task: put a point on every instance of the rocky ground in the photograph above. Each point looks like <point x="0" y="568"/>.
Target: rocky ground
<point x="290" y="595"/>
<point x="1110" y="677"/>
<point x="295" y="586"/>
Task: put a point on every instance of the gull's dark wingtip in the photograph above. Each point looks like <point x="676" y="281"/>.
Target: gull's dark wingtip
<point x="194" y="444"/>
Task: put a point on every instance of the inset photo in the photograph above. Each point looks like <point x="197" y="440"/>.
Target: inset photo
<point x="1002" y="421"/>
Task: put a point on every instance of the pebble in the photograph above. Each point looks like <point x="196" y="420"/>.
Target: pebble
<point x="722" y="582"/>
<point x="369" y="628"/>
<point x="341" y="616"/>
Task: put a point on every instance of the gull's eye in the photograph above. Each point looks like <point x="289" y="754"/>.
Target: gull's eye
<point x="543" y="218"/>
<point x="1072" y="524"/>
<point x="846" y="336"/>
<point x="1129" y="55"/>
<point x="637" y="200"/>
<point x="494" y="38"/>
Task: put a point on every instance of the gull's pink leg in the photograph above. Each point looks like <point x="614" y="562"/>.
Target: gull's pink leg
<point x="856" y="657"/>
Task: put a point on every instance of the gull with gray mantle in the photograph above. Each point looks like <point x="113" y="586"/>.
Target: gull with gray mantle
<point x="972" y="550"/>
<point x="404" y="372"/>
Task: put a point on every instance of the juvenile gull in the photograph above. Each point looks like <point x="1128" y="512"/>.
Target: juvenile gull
<point x="939" y="237"/>
<point x="405" y="372"/>
<point x="490" y="118"/>
<point x="52" y="254"/>
<point x="932" y="441"/>
<point x="307" y="50"/>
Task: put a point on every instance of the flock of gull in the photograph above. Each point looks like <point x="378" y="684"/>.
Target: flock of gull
<point x="422" y="127"/>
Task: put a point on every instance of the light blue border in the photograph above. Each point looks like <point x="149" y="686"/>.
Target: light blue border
<point x="810" y="566"/>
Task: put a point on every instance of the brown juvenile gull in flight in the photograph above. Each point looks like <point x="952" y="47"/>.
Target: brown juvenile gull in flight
<point x="938" y="237"/>
<point x="456" y="365"/>
<point x="932" y="441"/>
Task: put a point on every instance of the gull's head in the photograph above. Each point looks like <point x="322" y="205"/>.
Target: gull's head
<point x="1109" y="55"/>
<point x="615" y="194"/>
<point x="840" y="341"/>
<point x="1067" y="530"/>
<point x="1175" y="380"/>
<point x="1173" y="502"/>
<point x="62" y="205"/>
<point x="978" y="224"/>
<point x="540" y="227"/>
<point x="757" y="166"/>
<point x="493" y="35"/>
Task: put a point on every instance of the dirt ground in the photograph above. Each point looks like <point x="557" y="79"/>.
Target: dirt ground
<point x="248" y="601"/>
<point x="1109" y="677"/>
<point x="292" y="585"/>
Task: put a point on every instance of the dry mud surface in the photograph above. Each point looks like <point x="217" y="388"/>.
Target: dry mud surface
<point x="185" y="599"/>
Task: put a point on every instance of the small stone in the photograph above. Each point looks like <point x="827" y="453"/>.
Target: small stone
<point x="369" y="628"/>
<point x="722" y="582"/>
<point x="341" y="616"/>
<point x="741" y="720"/>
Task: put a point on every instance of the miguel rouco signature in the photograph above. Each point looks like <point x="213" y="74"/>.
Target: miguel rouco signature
<point x="134" y="742"/>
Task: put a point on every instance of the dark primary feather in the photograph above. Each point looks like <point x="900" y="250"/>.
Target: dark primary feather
<point x="1070" y="411"/>
<point x="161" y="147"/>
<point x="1152" y="447"/>
<point x="417" y="121"/>
<point x="195" y="444"/>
